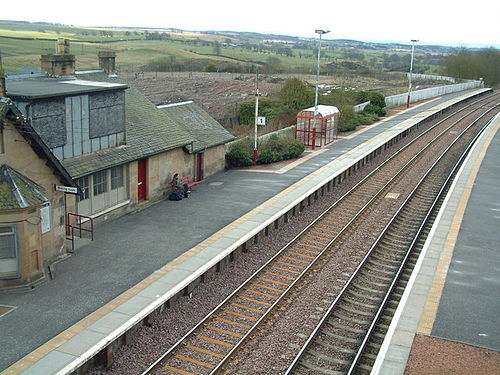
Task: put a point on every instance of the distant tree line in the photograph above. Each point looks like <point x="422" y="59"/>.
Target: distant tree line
<point x="468" y="64"/>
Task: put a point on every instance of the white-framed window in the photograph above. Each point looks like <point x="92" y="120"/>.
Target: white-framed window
<point x="84" y="184"/>
<point x="100" y="182"/>
<point x="7" y="242"/>
<point x="102" y="190"/>
<point x="9" y="262"/>
<point x="117" y="180"/>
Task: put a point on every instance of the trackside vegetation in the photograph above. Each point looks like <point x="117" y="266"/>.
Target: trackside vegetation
<point x="271" y="150"/>
<point x="297" y="95"/>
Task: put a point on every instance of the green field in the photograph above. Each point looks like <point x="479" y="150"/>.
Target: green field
<point x="21" y="45"/>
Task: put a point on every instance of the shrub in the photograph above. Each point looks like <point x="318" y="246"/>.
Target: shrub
<point x="239" y="155"/>
<point x="294" y="148"/>
<point x="374" y="109"/>
<point x="266" y="156"/>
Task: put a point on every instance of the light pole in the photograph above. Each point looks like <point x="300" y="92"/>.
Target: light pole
<point x="320" y="33"/>
<point x="257" y="93"/>
<point x="413" y="41"/>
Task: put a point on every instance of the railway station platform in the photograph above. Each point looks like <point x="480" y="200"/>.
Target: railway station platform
<point x="448" y="321"/>
<point x="141" y="260"/>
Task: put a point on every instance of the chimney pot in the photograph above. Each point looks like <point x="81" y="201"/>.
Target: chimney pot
<point x="107" y="61"/>
<point x="61" y="63"/>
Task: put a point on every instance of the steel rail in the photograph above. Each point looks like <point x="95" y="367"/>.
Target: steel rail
<point x="350" y="281"/>
<point x="159" y="361"/>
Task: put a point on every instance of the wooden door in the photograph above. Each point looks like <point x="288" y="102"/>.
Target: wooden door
<point x="142" y="191"/>
<point x="199" y="167"/>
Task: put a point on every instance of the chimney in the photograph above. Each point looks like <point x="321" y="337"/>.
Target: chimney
<point x="61" y="63"/>
<point x="107" y="61"/>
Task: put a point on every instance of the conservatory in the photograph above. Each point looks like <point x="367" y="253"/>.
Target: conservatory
<point x="317" y="128"/>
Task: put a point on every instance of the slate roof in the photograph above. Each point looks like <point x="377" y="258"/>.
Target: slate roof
<point x="206" y="131"/>
<point x="18" y="191"/>
<point x="149" y="131"/>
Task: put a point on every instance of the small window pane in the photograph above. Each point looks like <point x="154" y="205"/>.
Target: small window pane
<point x="100" y="182"/>
<point x="7" y="243"/>
<point x="116" y="177"/>
<point x="84" y="184"/>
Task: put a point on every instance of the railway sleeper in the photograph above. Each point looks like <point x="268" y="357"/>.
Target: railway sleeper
<point x="382" y="267"/>
<point x="348" y="349"/>
<point x="359" y="302"/>
<point x="356" y="311"/>
<point x="350" y="319"/>
<point x="361" y="296"/>
<point x="345" y="338"/>
<point x="339" y="359"/>
<point x="380" y="256"/>
<point x="311" y="366"/>
<point x="336" y="328"/>
<point x="367" y="290"/>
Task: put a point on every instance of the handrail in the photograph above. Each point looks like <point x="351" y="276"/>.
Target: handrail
<point x="80" y="219"/>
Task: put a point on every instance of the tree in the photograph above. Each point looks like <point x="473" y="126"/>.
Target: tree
<point x="295" y="95"/>
<point x="474" y="65"/>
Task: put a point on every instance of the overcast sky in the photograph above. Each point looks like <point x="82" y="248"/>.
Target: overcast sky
<point x="429" y="21"/>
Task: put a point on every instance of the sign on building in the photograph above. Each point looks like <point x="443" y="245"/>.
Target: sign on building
<point x="45" y="217"/>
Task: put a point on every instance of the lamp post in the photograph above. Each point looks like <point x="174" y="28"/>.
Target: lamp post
<point x="413" y="41"/>
<point x="257" y="93"/>
<point x="320" y="33"/>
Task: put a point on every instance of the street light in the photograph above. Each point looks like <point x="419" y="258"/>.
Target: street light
<point x="320" y="33"/>
<point x="413" y="41"/>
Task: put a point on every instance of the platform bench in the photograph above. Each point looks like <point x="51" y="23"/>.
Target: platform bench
<point x="188" y="180"/>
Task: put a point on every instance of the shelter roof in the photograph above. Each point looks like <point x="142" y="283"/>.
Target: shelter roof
<point x="323" y="110"/>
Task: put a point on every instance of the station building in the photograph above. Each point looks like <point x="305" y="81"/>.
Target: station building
<point x="105" y="141"/>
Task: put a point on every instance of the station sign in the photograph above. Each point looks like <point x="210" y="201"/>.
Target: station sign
<point x="67" y="189"/>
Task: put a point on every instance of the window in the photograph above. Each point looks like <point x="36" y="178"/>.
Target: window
<point x="100" y="182"/>
<point x="116" y="177"/>
<point x="7" y="242"/>
<point x="84" y="184"/>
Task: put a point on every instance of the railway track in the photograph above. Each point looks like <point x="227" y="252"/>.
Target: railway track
<point x="208" y="347"/>
<point x="348" y="337"/>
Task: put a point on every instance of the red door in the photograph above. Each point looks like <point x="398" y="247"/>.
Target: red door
<point x="199" y="167"/>
<point x="141" y="180"/>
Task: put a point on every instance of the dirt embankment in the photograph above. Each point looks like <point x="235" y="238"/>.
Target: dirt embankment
<point x="218" y="94"/>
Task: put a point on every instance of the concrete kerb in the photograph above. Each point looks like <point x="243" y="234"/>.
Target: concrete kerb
<point x="308" y="186"/>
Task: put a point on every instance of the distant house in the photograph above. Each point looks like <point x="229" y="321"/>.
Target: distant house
<point x="209" y="136"/>
<point x="32" y="211"/>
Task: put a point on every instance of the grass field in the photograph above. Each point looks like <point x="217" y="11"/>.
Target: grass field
<point x="136" y="49"/>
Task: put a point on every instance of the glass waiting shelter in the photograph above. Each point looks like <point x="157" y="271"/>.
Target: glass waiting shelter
<point x="317" y="129"/>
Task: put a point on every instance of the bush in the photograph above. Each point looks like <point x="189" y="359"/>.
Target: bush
<point x="266" y="156"/>
<point x="294" y="148"/>
<point x="374" y="109"/>
<point x="270" y="151"/>
<point x="240" y="155"/>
